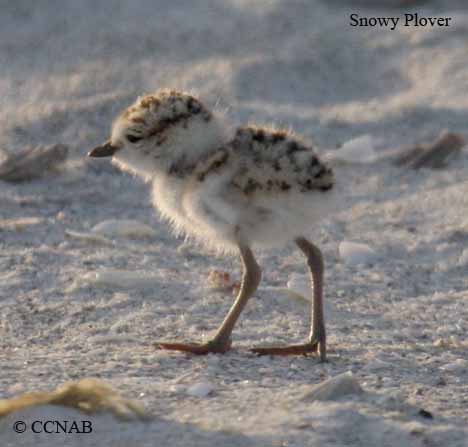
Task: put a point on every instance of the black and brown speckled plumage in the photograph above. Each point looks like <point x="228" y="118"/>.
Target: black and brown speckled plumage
<point x="154" y="116"/>
<point x="269" y="162"/>
<point x="180" y="105"/>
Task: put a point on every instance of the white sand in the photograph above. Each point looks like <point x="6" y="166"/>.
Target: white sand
<point x="399" y="324"/>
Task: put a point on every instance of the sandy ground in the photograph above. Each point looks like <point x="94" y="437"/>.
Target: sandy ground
<point x="399" y="323"/>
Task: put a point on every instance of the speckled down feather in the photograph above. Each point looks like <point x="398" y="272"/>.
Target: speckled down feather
<point x="271" y="161"/>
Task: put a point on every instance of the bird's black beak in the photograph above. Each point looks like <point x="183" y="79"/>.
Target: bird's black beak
<point x="105" y="150"/>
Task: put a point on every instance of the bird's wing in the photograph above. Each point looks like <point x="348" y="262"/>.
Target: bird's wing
<point x="271" y="162"/>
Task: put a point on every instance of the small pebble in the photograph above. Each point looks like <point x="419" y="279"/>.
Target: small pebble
<point x="124" y="228"/>
<point x="334" y="388"/>
<point x="222" y="280"/>
<point x="358" y="150"/>
<point x="353" y="253"/>
<point x="201" y="389"/>
<point x="376" y="365"/>
<point x="425" y="414"/>
<point x="60" y="216"/>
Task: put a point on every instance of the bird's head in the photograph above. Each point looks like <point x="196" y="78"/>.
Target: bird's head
<point x="160" y="129"/>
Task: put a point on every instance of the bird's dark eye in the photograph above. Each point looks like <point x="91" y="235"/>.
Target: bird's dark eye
<point x="133" y="138"/>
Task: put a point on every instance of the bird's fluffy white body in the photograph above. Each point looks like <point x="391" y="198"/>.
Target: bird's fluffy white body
<point x="221" y="185"/>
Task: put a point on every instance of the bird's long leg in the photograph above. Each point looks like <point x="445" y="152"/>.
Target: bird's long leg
<point x="317" y="339"/>
<point x="221" y="342"/>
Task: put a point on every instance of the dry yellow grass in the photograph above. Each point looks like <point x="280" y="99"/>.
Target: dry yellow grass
<point x="90" y="396"/>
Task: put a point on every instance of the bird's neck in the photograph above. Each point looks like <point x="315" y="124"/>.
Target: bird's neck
<point x="204" y="138"/>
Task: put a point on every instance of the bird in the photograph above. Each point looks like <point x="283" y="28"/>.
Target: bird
<point x="232" y="188"/>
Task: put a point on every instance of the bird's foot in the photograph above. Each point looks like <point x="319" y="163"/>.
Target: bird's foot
<point x="311" y="347"/>
<point x="211" y="347"/>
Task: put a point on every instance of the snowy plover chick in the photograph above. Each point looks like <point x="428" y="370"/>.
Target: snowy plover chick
<point x="232" y="189"/>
